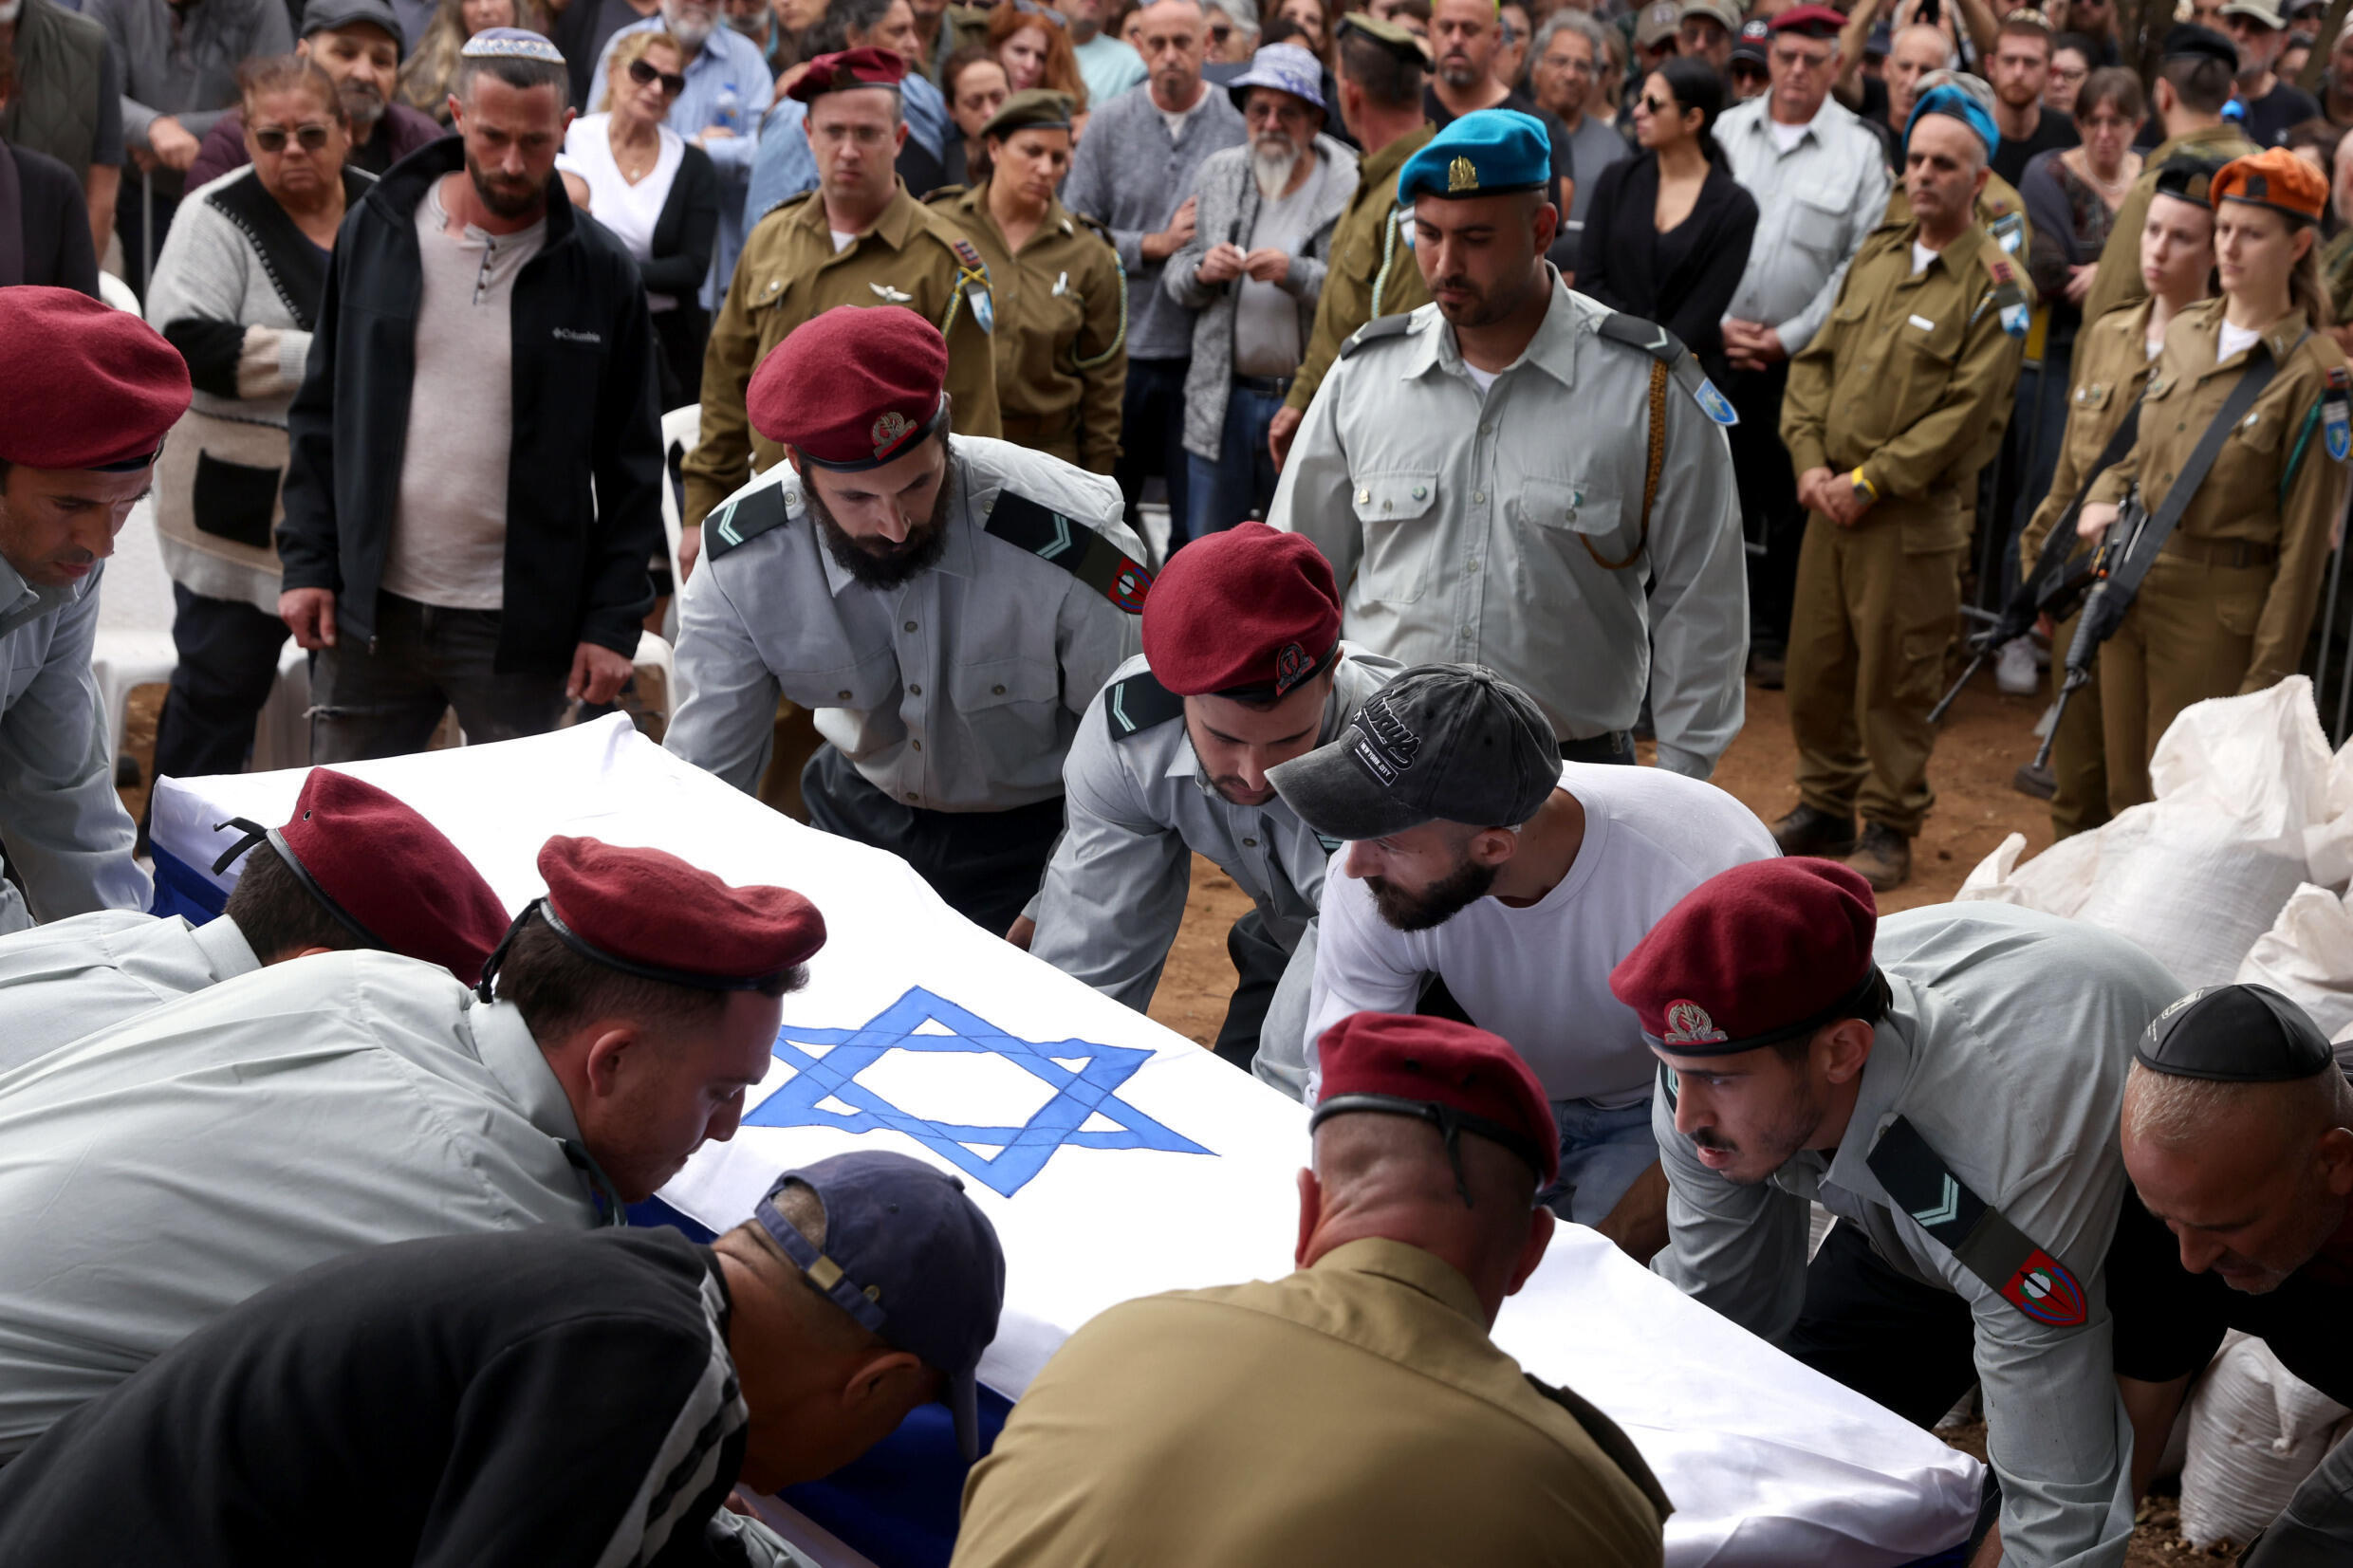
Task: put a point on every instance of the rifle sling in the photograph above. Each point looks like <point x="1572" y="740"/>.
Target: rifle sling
<point x="2059" y="546"/>
<point x="2124" y="582"/>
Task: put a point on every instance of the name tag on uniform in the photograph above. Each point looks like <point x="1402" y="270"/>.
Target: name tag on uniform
<point x="1924" y="324"/>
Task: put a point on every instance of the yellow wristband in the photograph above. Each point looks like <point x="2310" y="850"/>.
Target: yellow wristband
<point x="1870" y="491"/>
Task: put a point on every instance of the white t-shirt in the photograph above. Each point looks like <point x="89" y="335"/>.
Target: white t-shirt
<point x="1786" y="137"/>
<point x="1266" y="340"/>
<point x="1539" y="976"/>
<point x="2234" y="339"/>
<point x="629" y="211"/>
<point x="1921" y="256"/>
<point x="1480" y="378"/>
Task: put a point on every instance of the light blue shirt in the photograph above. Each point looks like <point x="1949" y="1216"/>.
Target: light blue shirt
<point x="785" y="166"/>
<point x="1108" y="66"/>
<point x="728" y="86"/>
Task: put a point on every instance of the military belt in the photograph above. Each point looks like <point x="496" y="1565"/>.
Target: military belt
<point x="2221" y="552"/>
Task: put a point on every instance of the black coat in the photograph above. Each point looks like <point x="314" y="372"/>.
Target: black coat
<point x="686" y="231"/>
<point x="1621" y="263"/>
<point x="583" y="503"/>
<point x="48" y="235"/>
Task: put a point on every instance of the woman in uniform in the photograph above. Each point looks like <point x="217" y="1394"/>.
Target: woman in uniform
<point x="2114" y="357"/>
<point x="2225" y="607"/>
<point x="1055" y="285"/>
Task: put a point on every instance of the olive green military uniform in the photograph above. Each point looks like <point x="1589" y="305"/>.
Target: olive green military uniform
<point x="789" y="272"/>
<point x="2226" y="607"/>
<point x="1060" y="332"/>
<point x="1372" y="271"/>
<point x="2337" y="276"/>
<point x="1997" y="202"/>
<point x="2119" y="279"/>
<point x="1910" y="381"/>
<point x="2112" y="365"/>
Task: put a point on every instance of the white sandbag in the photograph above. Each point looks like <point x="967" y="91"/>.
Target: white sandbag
<point x="2249" y="806"/>
<point x="2257" y="1430"/>
<point x="2197" y="890"/>
<point x="2307" y="957"/>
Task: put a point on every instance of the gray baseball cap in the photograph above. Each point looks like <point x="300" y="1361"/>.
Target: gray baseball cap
<point x="1452" y="743"/>
<point x="330" y="15"/>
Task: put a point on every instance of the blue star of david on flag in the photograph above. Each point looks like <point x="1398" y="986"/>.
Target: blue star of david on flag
<point x="1082" y="1093"/>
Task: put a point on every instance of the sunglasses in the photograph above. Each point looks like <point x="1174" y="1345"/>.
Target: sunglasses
<point x="273" y="138"/>
<point x="1219" y="35"/>
<point x="1657" y="105"/>
<point x="645" y="76"/>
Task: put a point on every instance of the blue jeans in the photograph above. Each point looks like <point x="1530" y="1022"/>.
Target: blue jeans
<point x="1601" y="1153"/>
<point x="1241" y="481"/>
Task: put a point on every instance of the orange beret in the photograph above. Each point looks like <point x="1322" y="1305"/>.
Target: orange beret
<point x="2276" y="178"/>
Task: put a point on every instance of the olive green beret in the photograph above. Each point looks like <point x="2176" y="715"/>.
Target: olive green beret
<point x="1033" y="109"/>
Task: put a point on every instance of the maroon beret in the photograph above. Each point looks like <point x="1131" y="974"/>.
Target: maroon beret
<point x="650" y="914"/>
<point x="852" y="387"/>
<point x="1460" y="1079"/>
<point x="88" y="386"/>
<point x="851" y="68"/>
<point x="1251" y="612"/>
<point x="1762" y="953"/>
<point x="389" y="876"/>
<point x="1809" y="22"/>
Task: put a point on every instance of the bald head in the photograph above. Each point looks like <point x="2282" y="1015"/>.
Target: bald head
<point x="1389" y="1176"/>
<point x="1912" y="54"/>
<point x="2251" y="1178"/>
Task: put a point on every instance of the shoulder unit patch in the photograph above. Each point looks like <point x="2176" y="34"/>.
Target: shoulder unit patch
<point x="1138" y="703"/>
<point x="743" y="519"/>
<point x="1668" y="349"/>
<point x="1074" y="546"/>
<point x="1979" y="1236"/>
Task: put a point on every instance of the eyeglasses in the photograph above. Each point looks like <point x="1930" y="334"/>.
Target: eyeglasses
<point x="1656" y="105"/>
<point x="1219" y="34"/>
<point x="273" y="138"/>
<point x="1044" y="13"/>
<point x="645" y="76"/>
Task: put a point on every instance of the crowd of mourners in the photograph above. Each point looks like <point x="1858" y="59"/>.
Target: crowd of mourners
<point x="1375" y="451"/>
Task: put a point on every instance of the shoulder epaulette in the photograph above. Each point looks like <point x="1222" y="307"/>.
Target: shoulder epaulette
<point x="1103" y="230"/>
<point x="776" y="206"/>
<point x="1668" y="349"/>
<point x="1611" y="1439"/>
<point x="743" y="519"/>
<point x="1138" y="703"/>
<point x="942" y="196"/>
<point x="1375" y="330"/>
<point x="1074" y="546"/>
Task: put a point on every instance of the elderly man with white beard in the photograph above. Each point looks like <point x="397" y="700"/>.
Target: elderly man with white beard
<point x="1253" y="271"/>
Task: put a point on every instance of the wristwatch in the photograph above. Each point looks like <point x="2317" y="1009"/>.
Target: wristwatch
<point x="1865" y="491"/>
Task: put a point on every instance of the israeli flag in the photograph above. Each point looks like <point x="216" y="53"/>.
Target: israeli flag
<point x="1116" y="1159"/>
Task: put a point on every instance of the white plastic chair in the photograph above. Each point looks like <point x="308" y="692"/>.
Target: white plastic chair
<point x="135" y="611"/>
<point x="681" y="428"/>
<point x="655" y="658"/>
<point x="281" y="733"/>
<point x="116" y="293"/>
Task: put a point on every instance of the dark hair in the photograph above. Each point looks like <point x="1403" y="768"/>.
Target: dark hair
<point x="2202" y="82"/>
<point x="8" y="68"/>
<point x="276" y="914"/>
<point x="1696" y="85"/>
<point x="280" y="73"/>
<point x="830" y="34"/>
<point x="2080" y="44"/>
<point x="556" y="990"/>
<point x="2316" y="134"/>
<point x="2115" y="86"/>
<point x="1388" y="81"/>
<point x="517" y="72"/>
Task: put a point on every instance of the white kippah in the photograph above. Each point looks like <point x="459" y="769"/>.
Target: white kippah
<point x="511" y="44"/>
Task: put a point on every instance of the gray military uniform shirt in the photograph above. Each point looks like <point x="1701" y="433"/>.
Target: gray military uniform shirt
<point x="2005" y="1043"/>
<point x="1138" y="807"/>
<point x="61" y="821"/>
<point x="162" y="1172"/>
<point x="1462" y="522"/>
<point x="956" y="690"/>
<point x="75" y="977"/>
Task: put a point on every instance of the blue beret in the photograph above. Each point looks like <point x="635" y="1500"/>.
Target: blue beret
<point x="1948" y="99"/>
<point x="1485" y="153"/>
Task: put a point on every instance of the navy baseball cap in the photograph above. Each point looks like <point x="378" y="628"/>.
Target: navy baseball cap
<point x="1452" y="743"/>
<point x="908" y="1256"/>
